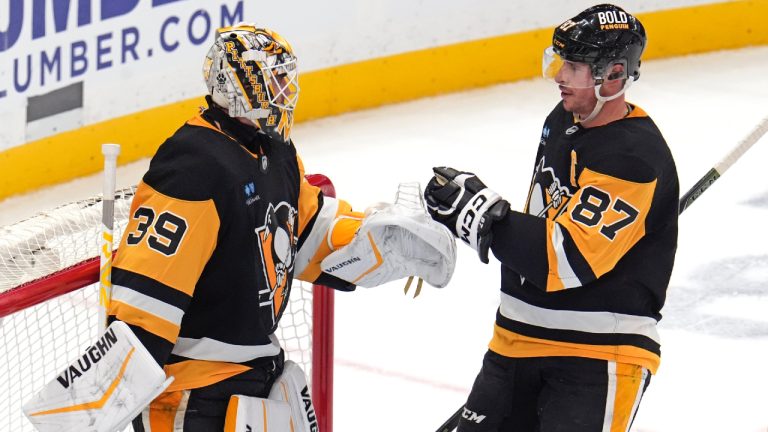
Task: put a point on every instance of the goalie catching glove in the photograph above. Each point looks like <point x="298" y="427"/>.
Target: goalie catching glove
<point x="395" y="241"/>
<point x="461" y="202"/>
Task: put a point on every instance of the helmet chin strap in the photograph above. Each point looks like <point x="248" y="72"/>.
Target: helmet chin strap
<point x="601" y="100"/>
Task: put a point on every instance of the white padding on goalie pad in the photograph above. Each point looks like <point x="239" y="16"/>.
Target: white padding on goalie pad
<point x="395" y="242"/>
<point x="288" y="409"/>
<point x="291" y="388"/>
<point x="253" y="414"/>
<point x="103" y="390"/>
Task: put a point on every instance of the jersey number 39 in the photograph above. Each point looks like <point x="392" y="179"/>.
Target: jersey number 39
<point x="166" y="231"/>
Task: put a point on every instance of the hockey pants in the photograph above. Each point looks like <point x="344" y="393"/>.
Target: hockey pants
<point x="204" y="409"/>
<point x="553" y="394"/>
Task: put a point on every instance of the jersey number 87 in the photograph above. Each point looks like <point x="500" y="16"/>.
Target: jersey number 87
<point x="593" y="205"/>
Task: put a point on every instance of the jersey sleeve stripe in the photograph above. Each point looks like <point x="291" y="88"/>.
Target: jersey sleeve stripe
<point x="311" y="200"/>
<point x="316" y="238"/>
<point x="566" y="277"/>
<point x="577" y="262"/>
<point x="148" y="304"/>
<point x="306" y="227"/>
<point x="588" y="322"/>
<point x="568" y="268"/>
<point x="150" y="288"/>
<point x="213" y="350"/>
<point x="335" y="225"/>
<point x="141" y="318"/>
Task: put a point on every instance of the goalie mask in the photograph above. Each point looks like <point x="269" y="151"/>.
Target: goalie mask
<point x="251" y="71"/>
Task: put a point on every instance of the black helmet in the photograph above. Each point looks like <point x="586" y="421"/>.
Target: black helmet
<point x="601" y="36"/>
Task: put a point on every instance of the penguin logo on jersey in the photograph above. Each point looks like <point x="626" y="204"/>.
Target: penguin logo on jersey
<point x="548" y="196"/>
<point x="277" y="244"/>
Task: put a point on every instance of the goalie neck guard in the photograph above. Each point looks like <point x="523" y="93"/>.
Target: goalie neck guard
<point x="251" y="72"/>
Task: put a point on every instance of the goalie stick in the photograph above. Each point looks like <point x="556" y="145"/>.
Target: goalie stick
<point x="685" y="201"/>
<point x="110" y="152"/>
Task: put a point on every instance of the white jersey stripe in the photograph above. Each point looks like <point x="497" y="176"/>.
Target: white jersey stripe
<point x="564" y="270"/>
<point x="213" y="350"/>
<point x="316" y="237"/>
<point x="591" y="322"/>
<point x="148" y="304"/>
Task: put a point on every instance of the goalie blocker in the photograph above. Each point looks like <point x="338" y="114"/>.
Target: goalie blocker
<point x="103" y="390"/>
<point x="116" y="378"/>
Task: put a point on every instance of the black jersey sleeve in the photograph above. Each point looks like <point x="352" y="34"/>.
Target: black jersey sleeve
<point x="171" y="233"/>
<point x="602" y="220"/>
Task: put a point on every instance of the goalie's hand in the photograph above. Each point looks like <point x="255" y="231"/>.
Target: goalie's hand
<point x="461" y="202"/>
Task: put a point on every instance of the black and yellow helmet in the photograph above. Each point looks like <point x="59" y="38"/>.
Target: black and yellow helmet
<point x="602" y="36"/>
<point x="251" y="71"/>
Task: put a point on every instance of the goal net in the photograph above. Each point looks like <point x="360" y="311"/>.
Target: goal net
<point x="49" y="271"/>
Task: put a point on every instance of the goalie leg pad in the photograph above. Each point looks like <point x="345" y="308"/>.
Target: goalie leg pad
<point x="392" y="243"/>
<point x="254" y="414"/>
<point x="103" y="390"/>
<point x="291" y="387"/>
<point x="288" y="407"/>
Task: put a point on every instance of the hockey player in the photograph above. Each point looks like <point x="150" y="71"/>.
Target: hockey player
<point x="585" y="266"/>
<point x="220" y="225"/>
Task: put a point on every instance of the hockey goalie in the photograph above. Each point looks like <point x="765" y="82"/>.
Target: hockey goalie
<point x="220" y="225"/>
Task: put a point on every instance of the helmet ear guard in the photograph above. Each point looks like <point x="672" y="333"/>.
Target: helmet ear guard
<point x="606" y="73"/>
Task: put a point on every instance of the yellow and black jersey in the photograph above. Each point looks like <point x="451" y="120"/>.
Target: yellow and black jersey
<point x="220" y="224"/>
<point x="585" y="268"/>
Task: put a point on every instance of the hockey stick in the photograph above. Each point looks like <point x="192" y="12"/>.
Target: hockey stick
<point x="110" y="152"/>
<point x="686" y="200"/>
<point x="713" y="174"/>
<point x="452" y="422"/>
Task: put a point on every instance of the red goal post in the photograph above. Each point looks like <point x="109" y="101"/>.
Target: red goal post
<point x="49" y="274"/>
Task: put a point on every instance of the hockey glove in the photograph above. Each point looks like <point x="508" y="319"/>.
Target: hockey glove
<point x="460" y="201"/>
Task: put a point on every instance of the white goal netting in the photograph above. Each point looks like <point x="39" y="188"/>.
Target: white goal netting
<point x="48" y="316"/>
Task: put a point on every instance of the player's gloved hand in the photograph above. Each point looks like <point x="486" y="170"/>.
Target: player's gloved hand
<point x="460" y="201"/>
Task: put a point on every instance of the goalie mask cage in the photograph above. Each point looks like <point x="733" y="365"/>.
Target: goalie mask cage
<point x="49" y="272"/>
